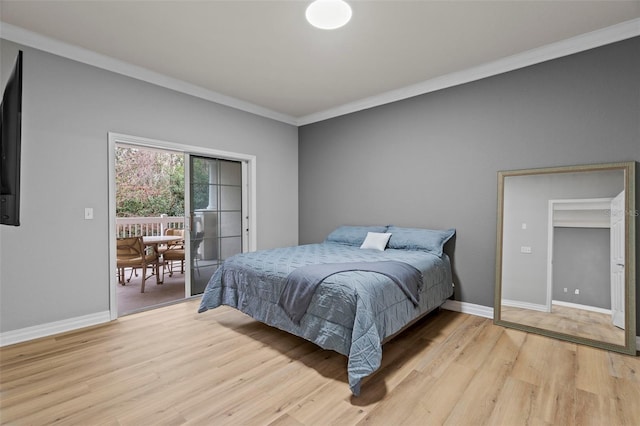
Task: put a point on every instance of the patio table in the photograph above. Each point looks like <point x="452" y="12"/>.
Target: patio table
<point x="155" y="241"/>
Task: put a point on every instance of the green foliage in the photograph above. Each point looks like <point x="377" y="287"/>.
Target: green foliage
<point x="149" y="182"/>
<point x="200" y="181"/>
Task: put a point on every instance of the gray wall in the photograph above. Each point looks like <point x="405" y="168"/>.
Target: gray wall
<point x="55" y="266"/>
<point x="431" y="161"/>
<point x="526" y="200"/>
<point x="582" y="261"/>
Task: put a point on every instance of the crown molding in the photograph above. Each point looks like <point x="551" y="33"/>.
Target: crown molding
<point x="590" y="40"/>
<point x="593" y="39"/>
<point x="37" y="41"/>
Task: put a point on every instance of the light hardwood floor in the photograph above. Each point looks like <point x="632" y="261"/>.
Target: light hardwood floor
<point x="173" y="366"/>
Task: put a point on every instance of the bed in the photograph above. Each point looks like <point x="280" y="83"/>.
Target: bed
<point x="352" y="312"/>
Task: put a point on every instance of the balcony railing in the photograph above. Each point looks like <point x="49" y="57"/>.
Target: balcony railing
<point x="146" y="226"/>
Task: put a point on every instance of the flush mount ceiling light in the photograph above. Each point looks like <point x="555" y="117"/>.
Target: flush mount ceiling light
<point x="328" y="14"/>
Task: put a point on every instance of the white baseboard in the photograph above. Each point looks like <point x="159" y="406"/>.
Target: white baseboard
<point x="583" y="307"/>
<point x="468" y="308"/>
<point x="44" y="330"/>
<point x="524" y="305"/>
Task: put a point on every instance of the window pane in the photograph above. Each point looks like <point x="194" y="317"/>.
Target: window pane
<point x="231" y="198"/>
<point x="204" y="170"/>
<point x="200" y="196"/>
<point x="230" y="224"/>
<point x="230" y="173"/>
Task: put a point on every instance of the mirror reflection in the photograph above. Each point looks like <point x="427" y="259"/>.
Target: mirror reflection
<point x="564" y="245"/>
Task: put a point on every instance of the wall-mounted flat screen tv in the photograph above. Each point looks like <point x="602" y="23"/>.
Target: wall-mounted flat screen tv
<point x="11" y="133"/>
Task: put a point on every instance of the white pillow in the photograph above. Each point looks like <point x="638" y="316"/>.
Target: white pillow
<point x="376" y="241"/>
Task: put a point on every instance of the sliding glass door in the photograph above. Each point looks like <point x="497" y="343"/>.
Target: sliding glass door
<point x="216" y="215"/>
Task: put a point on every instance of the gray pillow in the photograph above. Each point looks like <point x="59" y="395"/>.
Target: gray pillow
<point x="429" y="240"/>
<point x="352" y="235"/>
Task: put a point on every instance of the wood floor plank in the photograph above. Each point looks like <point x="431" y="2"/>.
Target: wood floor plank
<point x="536" y="356"/>
<point x="172" y="366"/>
<point x="626" y="397"/>
<point x="435" y="362"/>
<point x="285" y="420"/>
<point x="515" y="404"/>
<point x="480" y="347"/>
<point x="423" y="394"/>
<point x="329" y="403"/>
<point x="481" y="396"/>
<point x="400" y="357"/>
<point x="509" y="344"/>
<point x="596" y="410"/>
<point x="556" y="393"/>
<point x="593" y="373"/>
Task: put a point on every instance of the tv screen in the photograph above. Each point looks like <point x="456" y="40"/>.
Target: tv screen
<point x="10" y="135"/>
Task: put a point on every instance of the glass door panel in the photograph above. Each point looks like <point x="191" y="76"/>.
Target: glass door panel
<point x="216" y="216"/>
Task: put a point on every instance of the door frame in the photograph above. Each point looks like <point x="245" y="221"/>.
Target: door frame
<point x="617" y="259"/>
<point x="577" y="215"/>
<point x="250" y="222"/>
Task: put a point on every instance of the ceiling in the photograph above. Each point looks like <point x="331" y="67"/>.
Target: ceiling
<point x="264" y="53"/>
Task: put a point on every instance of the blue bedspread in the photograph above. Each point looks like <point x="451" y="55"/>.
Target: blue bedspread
<point x="350" y="313"/>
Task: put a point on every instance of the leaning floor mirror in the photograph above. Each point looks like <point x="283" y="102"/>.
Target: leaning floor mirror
<point x="566" y="254"/>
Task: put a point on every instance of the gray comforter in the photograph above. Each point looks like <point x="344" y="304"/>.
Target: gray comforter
<point x="350" y="312"/>
<point x="302" y="282"/>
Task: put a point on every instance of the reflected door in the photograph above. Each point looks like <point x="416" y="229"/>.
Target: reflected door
<point x="617" y="260"/>
<point x="216" y="211"/>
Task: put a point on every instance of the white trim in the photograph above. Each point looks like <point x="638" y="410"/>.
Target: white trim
<point x="49" y="329"/>
<point x="550" y="239"/>
<point x="583" y="307"/>
<point x="590" y="40"/>
<point x="187" y="226"/>
<point x="37" y="41"/>
<point x="111" y="191"/>
<point x="556" y="50"/>
<point x="581" y="213"/>
<point x="525" y="305"/>
<point x="468" y="308"/>
<point x="115" y="138"/>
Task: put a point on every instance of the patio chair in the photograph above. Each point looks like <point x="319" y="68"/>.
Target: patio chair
<point x="174" y="252"/>
<point x="131" y="253"/>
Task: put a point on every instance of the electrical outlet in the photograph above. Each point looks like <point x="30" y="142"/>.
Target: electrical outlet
<point x="577" y="291"/>
<point x="525" y="249"/>
<point x="565" y="289"/>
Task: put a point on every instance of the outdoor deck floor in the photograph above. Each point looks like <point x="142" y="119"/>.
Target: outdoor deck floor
<point x="130" y="300"/>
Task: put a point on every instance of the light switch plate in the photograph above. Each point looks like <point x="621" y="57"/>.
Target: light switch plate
<point x="88" y="213"/>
